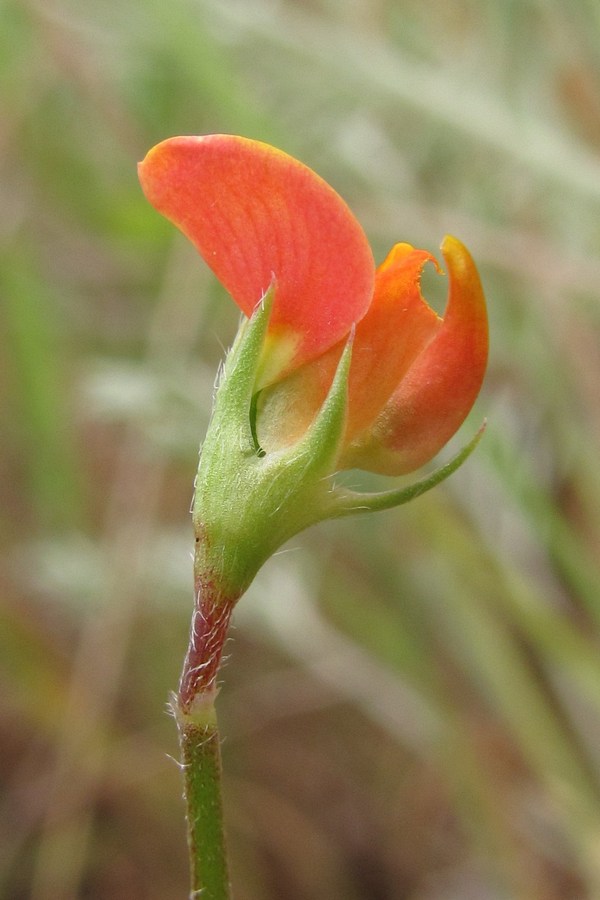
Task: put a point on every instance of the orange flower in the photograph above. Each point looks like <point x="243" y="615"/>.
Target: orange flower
<point x="339" y="366"/>
<point x="260" y="218"/>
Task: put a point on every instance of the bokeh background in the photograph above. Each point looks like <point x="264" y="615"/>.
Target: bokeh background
<point x="411" y="704"/>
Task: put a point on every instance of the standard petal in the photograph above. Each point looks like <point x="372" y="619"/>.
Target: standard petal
<point x="440" y="387"/>
<point x="257" y="215"/>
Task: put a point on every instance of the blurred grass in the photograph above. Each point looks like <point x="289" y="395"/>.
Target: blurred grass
<point x="412" y="702"/>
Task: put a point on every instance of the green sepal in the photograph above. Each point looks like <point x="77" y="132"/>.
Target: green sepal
<point x="235" y="386"/>
<point x="247" y="503"/>
<point x="350" y="503"/>
<point x="320" y="446"/>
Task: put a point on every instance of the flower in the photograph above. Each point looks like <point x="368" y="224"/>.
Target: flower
<point x="339" y="365"/>
<point x="258" y="216"/>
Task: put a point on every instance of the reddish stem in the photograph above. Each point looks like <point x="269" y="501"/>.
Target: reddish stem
<point x="210" y="621"/>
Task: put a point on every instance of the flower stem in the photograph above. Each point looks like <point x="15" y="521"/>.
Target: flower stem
<point x="199" y="738"/>
<point x="201" y="760"/>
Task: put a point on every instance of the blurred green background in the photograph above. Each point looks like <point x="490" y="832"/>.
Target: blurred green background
<point x="411" y="704"/>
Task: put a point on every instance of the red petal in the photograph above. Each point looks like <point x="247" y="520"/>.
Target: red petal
<point x="441" y="386"/>
<point x="394" y="331"/>
<point x="256" y="214"/>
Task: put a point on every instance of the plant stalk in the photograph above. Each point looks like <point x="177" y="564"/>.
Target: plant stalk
<point x="200" y="743"/>
<point x="201" y="761"/>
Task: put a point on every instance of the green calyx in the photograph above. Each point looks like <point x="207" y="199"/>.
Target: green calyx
<point x="247" y="502"/>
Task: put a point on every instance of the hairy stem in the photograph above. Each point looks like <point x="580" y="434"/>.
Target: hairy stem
<point x="200" y="743"/>
<point x="210" y="621"/>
